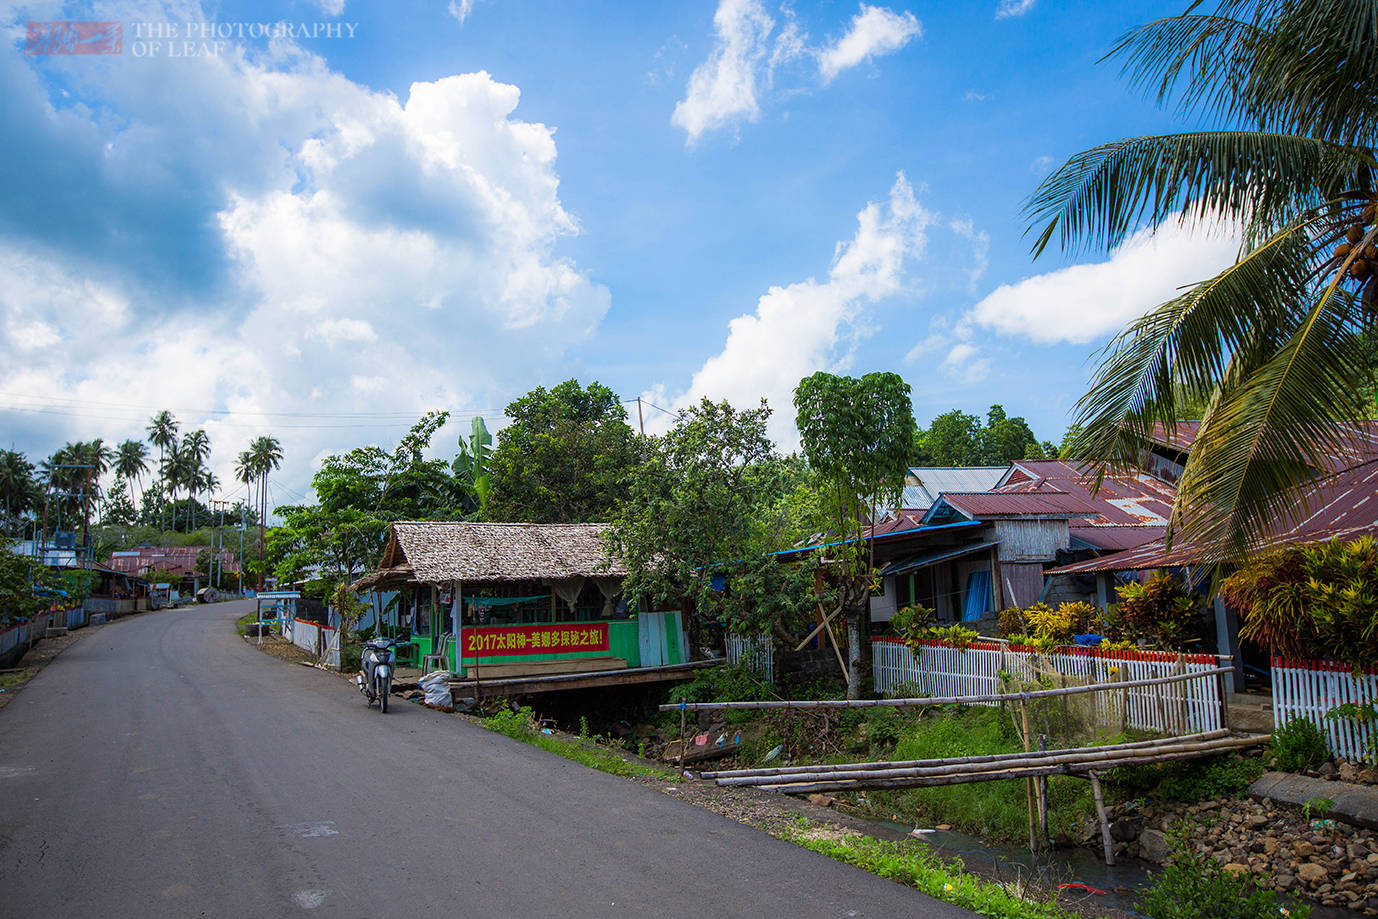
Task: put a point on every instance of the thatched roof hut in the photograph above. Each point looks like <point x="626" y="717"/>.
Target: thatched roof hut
<point x="442" y="552"/>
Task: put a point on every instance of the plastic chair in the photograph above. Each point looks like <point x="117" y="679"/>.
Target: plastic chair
<point x="440" y="660"/>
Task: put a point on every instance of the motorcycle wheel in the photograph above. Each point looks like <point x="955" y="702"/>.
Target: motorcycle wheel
<point x="383" y="690"/>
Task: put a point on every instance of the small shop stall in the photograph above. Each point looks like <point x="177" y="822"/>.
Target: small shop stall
<point x="506" y="599"/>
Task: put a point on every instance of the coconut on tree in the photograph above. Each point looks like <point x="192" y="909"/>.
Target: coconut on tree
<point x="1279" y="346"/>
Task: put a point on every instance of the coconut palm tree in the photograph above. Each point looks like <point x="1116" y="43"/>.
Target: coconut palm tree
<point x="131" y="461"/>
<point x="263" y="456"/>
<point x="162" y="433"/>
<point x="196" y="447"/>
<point x="17" y="486"/>
<point x="1277" y="346"/>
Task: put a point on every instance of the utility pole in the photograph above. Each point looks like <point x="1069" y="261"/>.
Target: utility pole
<point x="641" y="422"/>
<point x="262" y="513"/>
<point x="241" y="548"/>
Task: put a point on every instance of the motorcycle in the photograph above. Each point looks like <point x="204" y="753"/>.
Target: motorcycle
<point x="375" y="676"/>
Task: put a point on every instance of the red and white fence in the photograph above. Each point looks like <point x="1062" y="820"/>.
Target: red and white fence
<point x="320" y="640"/>
<point x="1311" y="689"/>
<point x="936" y="669"/>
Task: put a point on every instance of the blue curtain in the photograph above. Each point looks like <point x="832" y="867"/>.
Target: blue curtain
<point x="978" y="596"/>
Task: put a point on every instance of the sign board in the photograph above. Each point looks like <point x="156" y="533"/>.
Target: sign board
<point x="565" y="638"/>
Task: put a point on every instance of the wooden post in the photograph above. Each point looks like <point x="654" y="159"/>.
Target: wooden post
<point x="1100" y="813"/>
<point x="1182" y="695"/>
<point x="682" y="715"/>
<point x="1124" y="696"/>
<point x="1029" y="793"/>
<point x="1043" y="791"/>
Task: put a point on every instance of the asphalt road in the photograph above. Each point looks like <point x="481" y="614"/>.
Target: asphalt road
<point x="162" y="767"/>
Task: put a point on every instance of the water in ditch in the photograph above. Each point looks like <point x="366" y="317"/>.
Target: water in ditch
<point x="1111" y="887"/>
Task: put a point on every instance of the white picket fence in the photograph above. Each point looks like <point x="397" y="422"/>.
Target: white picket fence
<point x="306" y="635"/>
<point x="757" y="650"/>
<point x="1310" y="689"/>
<point x="1185" y="707"/>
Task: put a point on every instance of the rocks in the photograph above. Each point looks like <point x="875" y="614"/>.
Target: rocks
<point x="821" y="800"/>
<point x="1125" y="830"/>
<point x="1153" y="846"/>
<point x="1327" y="770"/>
<point x="1237" y="869"/>
<point x="1310" y="873"/>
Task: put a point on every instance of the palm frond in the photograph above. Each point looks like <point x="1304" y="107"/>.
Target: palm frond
<point x="1271" y="429"/>
<point x="1208" y="51"/>
<point x="1182" y="348"/>
<point x="1316" y="69"/>
<point x="1100" y="195"/>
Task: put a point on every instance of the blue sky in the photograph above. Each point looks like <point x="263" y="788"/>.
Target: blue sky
<point x="447" y="204"/>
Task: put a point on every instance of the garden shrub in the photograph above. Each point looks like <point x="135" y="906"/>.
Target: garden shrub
<point x="1299" y="745"/>
<point x="1159" y="611"/>
<point x="1318" y="600"/>
<point x="1191" y="886"/>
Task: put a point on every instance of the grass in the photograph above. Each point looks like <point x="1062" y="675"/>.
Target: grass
<point x="241" y="625"/>
<point x="521" y="725"/>
<point x="12" y="681"/>
<point x="997" y="811"/>
<point x="913" y="865"/>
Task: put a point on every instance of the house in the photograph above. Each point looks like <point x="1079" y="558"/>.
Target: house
<point x="1342" y="503"/>
<point x="181" y="560"/>
<point x="1035" y="515"/>
<point x="520" y="600"/>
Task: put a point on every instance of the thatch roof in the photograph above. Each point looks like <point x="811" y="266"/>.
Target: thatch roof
<point x="437" y="552"/>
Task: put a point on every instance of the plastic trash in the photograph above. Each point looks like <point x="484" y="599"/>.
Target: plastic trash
<point x="920" y="832"/>
<point x="774" y="753"/>
<point x="1077" y="885"/>
<point x="1088" y="640"/>
<point x="722" y="739"/>
<point x="436" y="686"/>
<point x="547" y="731"/>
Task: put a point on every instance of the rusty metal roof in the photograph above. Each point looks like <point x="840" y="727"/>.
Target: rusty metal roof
<point x="1343" y="505"/>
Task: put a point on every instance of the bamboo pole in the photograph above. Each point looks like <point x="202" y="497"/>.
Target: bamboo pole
<point x="938" y="700"/>
<point x="1030" y="792"/>
<point x="1087" y="758"/>
<point x="983" y="758"/>
<point x="1100" y="814"/>
<point x="826" y="618"/>
<point x="682" y="711"/>
<point x="929" y="781"/>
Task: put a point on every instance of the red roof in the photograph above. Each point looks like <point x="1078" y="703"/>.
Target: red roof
<point x="181" y="559"/>
<point x="1345" y="505"/>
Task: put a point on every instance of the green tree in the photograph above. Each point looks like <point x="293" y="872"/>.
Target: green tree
<point x="693" y="512"/>
<point x="858" y="435"/>
<point x="119" y="509"/>
<point x="1275" y="345"/>
<point x="18" y="489"/>
<point x="958" y="439"/>
<point x="162" y="433"/>
<point x="563" y="458"/>
<point x="131" y="461"/>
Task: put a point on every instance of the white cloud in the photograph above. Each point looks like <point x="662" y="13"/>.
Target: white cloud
<point x="1081" y="303"/>
<point x="962" y="361"/>
<point x="1041" y="165"/>
<point x="806" y="326"/>
<point x="331" y="7"/>
<point x="874" y="31"/>
<point x="374" y="255"/>
<point x="460" y="9"/>
<point x="723" y="89"/>
<point x="980" y="248"/>
<point x="1011" y="8"/>
<point x="973" y="96"/>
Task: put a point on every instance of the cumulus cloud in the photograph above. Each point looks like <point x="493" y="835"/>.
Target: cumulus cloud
<point x="874" y="31"/>
<point x="1008" y="9"/>
<point x="806" y="326"/>
<point x="748" y="50"/>
<point x="1081" y="303"/>
<point x="262" y="235"/>
<point x="724" y="88"/>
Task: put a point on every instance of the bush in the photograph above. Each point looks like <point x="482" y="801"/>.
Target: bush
<point x="1159" y="611"/>
<point x="351" y="659"/>
<point x="1299" y="746"/>
<point x="1189" y="782"/>
<point x="1192" y="886"/>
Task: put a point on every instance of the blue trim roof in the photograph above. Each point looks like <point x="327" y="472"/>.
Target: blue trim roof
<point x="840" y="542"/>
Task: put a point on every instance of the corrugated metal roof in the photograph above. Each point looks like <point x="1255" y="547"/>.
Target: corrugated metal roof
<point x="981" y="505"/>
<point x="925" y="559"/>
<point x="927" y="482"/>
<point x="1116" y="538"/>
<point x="1345" y="506"/>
